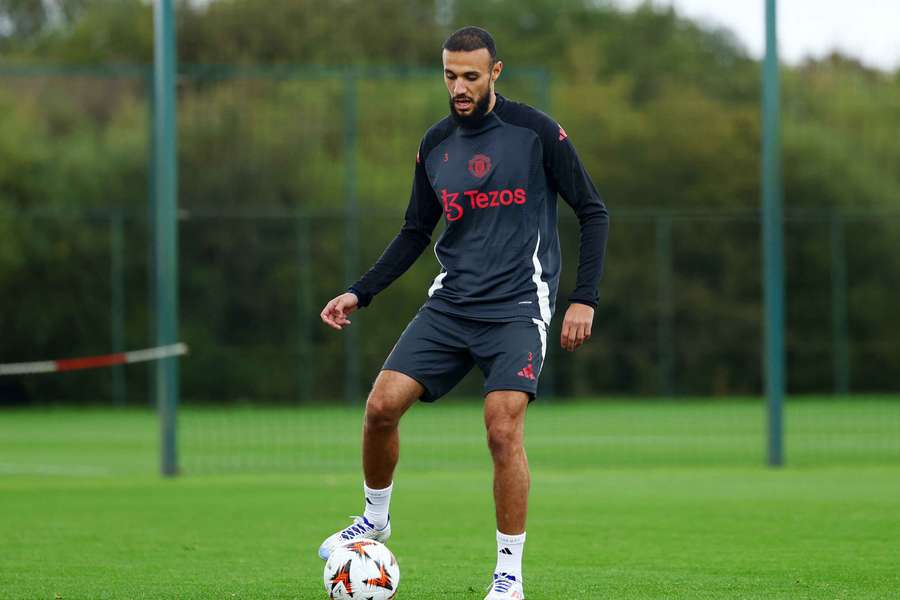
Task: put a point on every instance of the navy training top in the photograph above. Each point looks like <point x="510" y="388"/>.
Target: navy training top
<point x="496" y="186"/>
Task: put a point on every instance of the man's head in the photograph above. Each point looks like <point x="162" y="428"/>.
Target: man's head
<point x="470" y="70"/>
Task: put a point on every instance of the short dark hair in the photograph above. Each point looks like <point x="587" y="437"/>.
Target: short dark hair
<point x="471" y="38"/>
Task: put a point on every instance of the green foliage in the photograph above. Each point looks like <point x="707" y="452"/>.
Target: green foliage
<point x="23" y="20"/>
<point x="309" y="31"/>
<point x="78" y="31"/>
<point x="664" y="113"/>
<point x="840" y="142"/>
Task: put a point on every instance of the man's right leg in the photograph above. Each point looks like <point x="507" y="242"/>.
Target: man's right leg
<point x="391" y="396"/>
<point x="431" y="356"/>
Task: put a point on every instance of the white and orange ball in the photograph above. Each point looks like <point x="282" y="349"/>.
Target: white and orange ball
<point x="361" y="570"/>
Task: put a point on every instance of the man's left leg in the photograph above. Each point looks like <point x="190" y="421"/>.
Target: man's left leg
<point x="504" y="418"/>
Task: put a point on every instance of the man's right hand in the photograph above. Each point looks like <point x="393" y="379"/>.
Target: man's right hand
<point x="336" y="311"/>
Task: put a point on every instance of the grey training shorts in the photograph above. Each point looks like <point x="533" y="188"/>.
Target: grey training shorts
<point x="438" y="350"/>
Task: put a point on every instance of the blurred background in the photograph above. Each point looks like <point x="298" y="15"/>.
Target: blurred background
<point x="298" y="124"/>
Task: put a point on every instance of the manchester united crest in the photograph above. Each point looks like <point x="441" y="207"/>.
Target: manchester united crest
<point x="480" y="165"/>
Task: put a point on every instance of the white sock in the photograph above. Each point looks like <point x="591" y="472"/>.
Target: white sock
<point x="378" y="502"/>
<point x="509" y="554"/>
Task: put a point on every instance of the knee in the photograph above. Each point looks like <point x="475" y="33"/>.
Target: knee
<point x="382" y="413"/>
<point x="503" y="437"/>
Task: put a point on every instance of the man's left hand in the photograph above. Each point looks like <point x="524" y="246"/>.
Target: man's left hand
<point x="576" y="328"/>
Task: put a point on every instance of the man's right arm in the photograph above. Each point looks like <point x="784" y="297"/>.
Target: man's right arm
<point x="422" y="215"/>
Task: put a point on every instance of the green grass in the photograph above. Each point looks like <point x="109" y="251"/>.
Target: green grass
<point x="629" y="501"/>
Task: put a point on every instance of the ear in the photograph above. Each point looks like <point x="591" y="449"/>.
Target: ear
<point x="495" y="72"/>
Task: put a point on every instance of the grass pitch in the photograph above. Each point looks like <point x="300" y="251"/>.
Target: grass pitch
<point x="636" y="501"/>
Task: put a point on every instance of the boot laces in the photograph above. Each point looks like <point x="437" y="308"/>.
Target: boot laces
<point x="360" y="526"/>
<point x="503" y="582"/>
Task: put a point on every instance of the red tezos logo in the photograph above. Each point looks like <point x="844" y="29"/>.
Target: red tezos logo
<point x="454" y="206"/>
<point x="480" y="165"/>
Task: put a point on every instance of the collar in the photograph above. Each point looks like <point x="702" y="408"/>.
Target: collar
<point x="490" y="120"/>
<point x="499" y="102"/>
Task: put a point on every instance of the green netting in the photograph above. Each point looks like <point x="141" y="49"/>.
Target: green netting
<point x="294" y="180"/>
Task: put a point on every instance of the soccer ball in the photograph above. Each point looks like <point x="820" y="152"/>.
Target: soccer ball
<point x="361" y="570"/>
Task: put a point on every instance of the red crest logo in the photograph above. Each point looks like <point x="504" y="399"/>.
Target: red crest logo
<point x="480" y="165"/>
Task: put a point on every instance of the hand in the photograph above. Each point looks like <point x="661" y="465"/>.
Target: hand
<point x="336" y="311"/>
<point x="576" y="328"/>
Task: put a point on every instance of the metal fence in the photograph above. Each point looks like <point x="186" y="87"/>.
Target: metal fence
<point x="293" y="179"/>
<point x="680" y="311"/>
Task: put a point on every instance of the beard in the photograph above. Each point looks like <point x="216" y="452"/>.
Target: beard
<point x="473" y="120"/>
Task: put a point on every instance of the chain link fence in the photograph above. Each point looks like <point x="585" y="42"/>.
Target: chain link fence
<point x="293" y="180"/>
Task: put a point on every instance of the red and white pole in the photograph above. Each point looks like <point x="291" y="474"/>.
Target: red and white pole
<point x="93" y="362"/>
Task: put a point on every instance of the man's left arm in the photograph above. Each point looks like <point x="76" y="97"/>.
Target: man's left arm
<point x="577" y="189"/>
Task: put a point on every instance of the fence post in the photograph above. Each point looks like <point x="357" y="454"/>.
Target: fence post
<point x="166" y="229"/>
<point x="839" y="328"/>
<point x="305" y="310"/>
<point x="664" y="332"/>
<point x="150" y="219"/>
<point x="117" y="285"/>
<point x="545" y="96"/>
<point x="351" y="236"/>
<point x="773" y="240"/>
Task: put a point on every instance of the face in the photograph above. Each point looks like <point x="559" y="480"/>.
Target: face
<point x="470" y="81"/>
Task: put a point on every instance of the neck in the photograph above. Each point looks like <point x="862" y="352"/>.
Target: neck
<point x="492" y="102"/>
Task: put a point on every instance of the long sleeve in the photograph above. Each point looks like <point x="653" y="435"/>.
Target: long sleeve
<point x="577" y="189"/>
<point x="422" y="215"/>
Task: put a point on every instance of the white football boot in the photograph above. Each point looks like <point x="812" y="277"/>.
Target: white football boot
<point x="505" y="587"/>
<point x="361" y="529"/>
